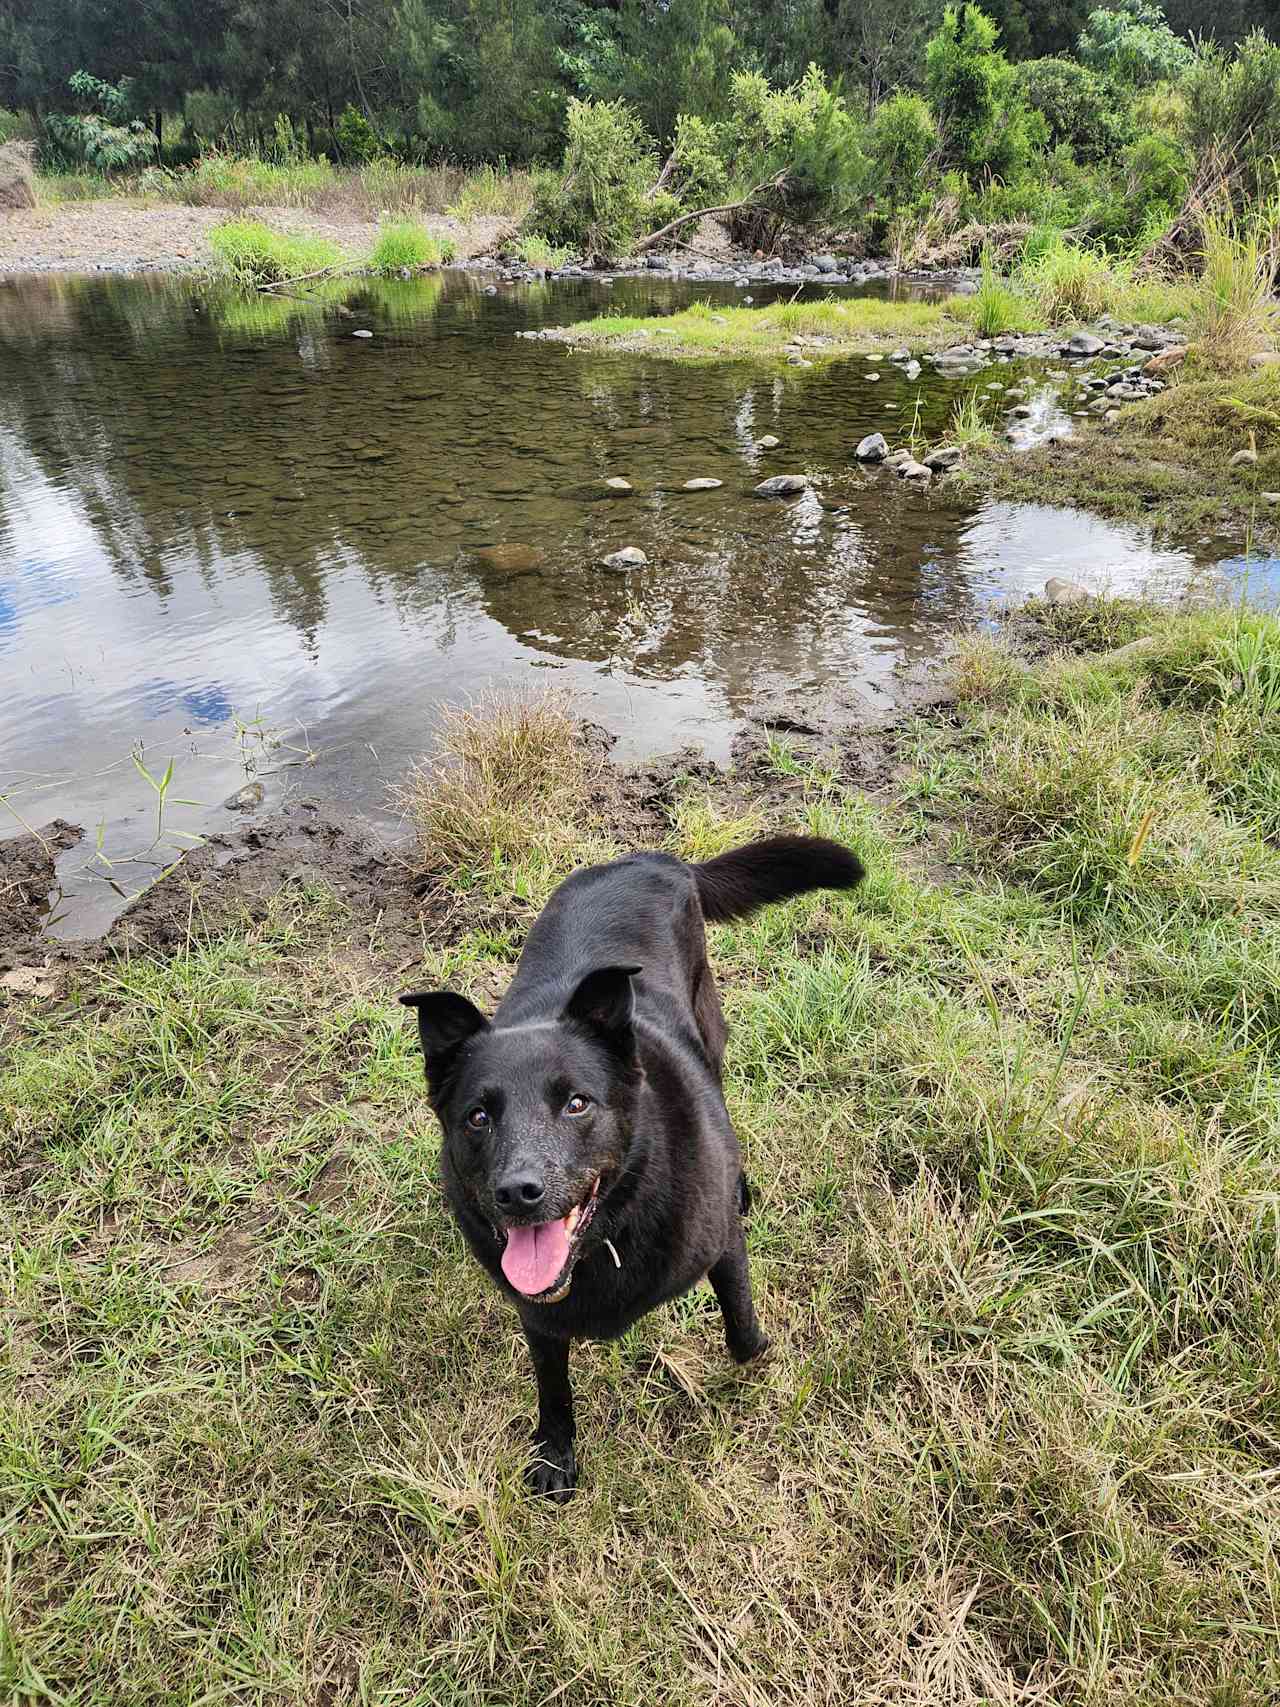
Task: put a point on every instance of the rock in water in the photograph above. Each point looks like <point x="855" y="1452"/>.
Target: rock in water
<point x="915" y="472"/>
<point x="17" y="177"/>
<point x="246" y="799"/>
<point x="874" y="448"/>
<point x="768" y="442"/>
<point x="512" y="558"/>
<point x="362" y="334"/>
<point x="617" y="484"/>
<point x="1058" y="592"/>
<point x="630" y="557"/>
<point x="944" y="458"/>
<point x="1082" y="344"/>
<point x="703" y="484"/>
<point x="782" y="486"/>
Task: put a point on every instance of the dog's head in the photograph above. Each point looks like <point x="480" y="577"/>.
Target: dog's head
<point x="537" y="1119"/>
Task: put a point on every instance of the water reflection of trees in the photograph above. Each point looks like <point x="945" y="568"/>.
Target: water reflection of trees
<point x="236" y="434"/>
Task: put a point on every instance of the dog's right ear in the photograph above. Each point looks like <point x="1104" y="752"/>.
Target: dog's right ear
<point x="445" y="1022"/>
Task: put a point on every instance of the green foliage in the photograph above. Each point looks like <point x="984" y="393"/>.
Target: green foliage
<point x="1080" y="108"/>
<point x="1234" y="311"/>
<point x="355" y="137"/>
<point x="998" y="306"/>
<point x="596" y="203"/>
<point x="1131" y="42"/>
<point x="900" y="141"/>
<point x="536" y="252"/>
<point x="250" y="253"/>
<point x="1232" y="118"/>
<point x="801" y="143"/>
<point x="102" y="135"/>
<point x="698" y="174"/>
<point x="973" y="94"/>
<point x="403" y="245"/>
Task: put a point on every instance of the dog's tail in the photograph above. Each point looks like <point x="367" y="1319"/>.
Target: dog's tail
<point x="737" y="883"/>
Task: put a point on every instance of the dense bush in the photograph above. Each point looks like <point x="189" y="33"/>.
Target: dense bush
<point x="1131" y="42"/>
<point x="1081" y="109"/>
<point x="1232" y="119"/>
<point x="596" y="204"/>
<point x="900" y="141"/>
<point x="102" y="135"/>
<point x="802" y="142"/>
<point x="972" y="90"/>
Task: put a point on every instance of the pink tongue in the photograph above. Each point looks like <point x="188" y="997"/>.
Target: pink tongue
<point x="534" y="1256"/>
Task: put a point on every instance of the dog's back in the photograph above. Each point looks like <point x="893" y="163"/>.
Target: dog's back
<point x="649" y="910"/>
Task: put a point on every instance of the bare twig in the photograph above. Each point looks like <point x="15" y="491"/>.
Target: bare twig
<point x="702" y="212"/>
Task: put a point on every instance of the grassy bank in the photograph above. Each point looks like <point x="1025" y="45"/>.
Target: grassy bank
<point x="1166" y="461"/>
<point x="1011" y="1112"/>
<point x="825" y="330"/>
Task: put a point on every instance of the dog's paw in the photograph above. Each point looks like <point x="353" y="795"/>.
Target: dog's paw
<point x="753" y="1351"/>
<point x="552" y="1472"/>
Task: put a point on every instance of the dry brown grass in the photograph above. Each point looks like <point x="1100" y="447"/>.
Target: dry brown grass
<point x="508" y="787"/>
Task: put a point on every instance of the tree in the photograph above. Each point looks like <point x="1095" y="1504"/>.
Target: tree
<point x="1132" y="43"/>
<point x="973" y="95"/>
<point x="1080" y="107"/>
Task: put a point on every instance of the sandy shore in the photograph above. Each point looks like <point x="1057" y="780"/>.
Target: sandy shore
<point x="119" y="236"/>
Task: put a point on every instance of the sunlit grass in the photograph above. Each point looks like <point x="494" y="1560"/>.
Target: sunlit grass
<point x="249" y="253"/>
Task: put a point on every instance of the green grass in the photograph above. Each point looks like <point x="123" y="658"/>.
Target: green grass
<point x="536" y="251"/>
<point x="1071" y="283"/>
<point x="492" y="192"/>
<point x="1235" y="312"/>
<point x="820" y="330"/>
<point x="246" y="252"/>
<point x="404" y="245"/>
<point x="1013" y="1135"/>
<point x="999" y="306"/>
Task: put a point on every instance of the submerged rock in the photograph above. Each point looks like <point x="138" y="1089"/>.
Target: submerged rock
<point x="703" y="484"/>
<point x="512" y="558"/>
<point x="768" y="442"/>
<point x="782" y="486"/>
<point x="246" y="799"/>
<point x="629" y="557"/>
<point x="874" y="448"/>
<point x="1058" y="592"/>
<point x="616" y="483"/>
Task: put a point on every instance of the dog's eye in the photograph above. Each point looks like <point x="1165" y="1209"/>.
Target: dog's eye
<point x="478" y="1120"/>
<point x="577" y="1104"/>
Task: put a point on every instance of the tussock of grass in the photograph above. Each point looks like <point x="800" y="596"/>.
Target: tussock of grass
<point x="1073" y="284"/>
<point x="999" y="306"/>
<point x="404" y="245"/>
<point x="493" y="193"/>
<point x="250" y="253"/>
<point x="506" y="791"/>
<point x="1012" y="1138"/>
<point x="536" y="251"/>
<point x="970" y="428"/>
<point x="826" y="329"/>
<point x="1234" y="312"/>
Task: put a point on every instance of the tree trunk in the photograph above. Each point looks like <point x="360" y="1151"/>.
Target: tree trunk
<point x="159" y="129"/>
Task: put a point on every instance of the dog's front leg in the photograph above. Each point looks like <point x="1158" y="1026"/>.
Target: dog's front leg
<point x="553" y="1470"/>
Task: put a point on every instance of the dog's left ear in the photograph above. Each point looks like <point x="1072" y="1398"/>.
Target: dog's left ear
<point x="604" y="1003"/>
<point x="445" y="1022"/>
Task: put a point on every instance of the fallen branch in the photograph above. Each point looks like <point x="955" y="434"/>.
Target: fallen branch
<point x="702" y="212"/>
<point x="299" y="278"/>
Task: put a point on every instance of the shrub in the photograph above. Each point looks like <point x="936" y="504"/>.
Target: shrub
<point x="1131" y="42"/>
<point x="1232" y="122"/>
<point x="103" y="137"/>
<point x="403" y="245"/>
<point x="803" y="141"/>
<point x="596" y="202"/>
<point x="900" y="141"/>
<point x="1080" y="108"/>
<point x="356" y="138"/>
<point x="250" y="253"/>
<point x="697" y="173"/>
<point x="973" y="95"/>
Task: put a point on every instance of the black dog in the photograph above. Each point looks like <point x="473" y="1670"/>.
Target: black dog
<point x="588" y="1154"/>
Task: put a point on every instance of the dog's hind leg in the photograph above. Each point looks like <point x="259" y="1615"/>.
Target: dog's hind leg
<point x="731" y="1279"/>
<point x="553" y="1469"/>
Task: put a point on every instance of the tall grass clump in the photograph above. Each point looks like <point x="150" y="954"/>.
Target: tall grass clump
<point x="1234" y="312"/>
<point x="969" y="427"/>
<point x="404" y="246"/>
<point x="999" y="306"/>
<point x="493" y="192"/>
<point x="1070" y="282"/>
<point x="250" y="253"/>
<point x="505" y="790"/>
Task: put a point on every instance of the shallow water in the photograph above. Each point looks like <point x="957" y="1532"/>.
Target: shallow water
<point x="228" y="524"/>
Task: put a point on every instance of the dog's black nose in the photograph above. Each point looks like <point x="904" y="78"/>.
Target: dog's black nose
<point x="520" y="1190"/>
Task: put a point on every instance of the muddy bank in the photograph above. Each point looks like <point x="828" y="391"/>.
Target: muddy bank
<point x="28" y="883"/>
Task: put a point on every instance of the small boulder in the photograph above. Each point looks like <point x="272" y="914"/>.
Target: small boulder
<point x="702" y="484"/>
<point x="826" y="263"/>
<point x="944" y="458"/>
<point x="782" y="486"/>
<point x="1244" y="459"/>
<point x="246" y="799"/>
<point x="915" y="472"/>
<point x="1057" y="592"/>
<point x="768" y="442"/>
<point x="1082" y="344"/>
<point x="874" y="448"/>
<point x="1166" y="361"/>
<point x="615" y="483"/>
<point x="630" y="557"/>
<point x="913" y="370"/>
<point x="898" y="459"/>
